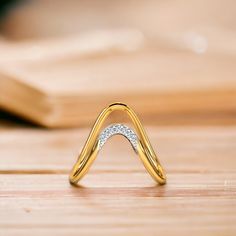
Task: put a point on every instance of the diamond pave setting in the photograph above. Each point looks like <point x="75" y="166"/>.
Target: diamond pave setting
<point x="118" y="129"/>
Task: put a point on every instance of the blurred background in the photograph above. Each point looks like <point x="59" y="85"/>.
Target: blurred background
<point x="174" y="61"/>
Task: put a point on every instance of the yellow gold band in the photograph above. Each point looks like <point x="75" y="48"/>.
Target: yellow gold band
<point x="144" y="148"/>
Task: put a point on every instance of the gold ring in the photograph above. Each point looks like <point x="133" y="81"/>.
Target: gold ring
<point x="138" y="140"/>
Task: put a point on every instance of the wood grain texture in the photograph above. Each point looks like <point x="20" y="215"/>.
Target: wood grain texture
<point x="118" y="197"/>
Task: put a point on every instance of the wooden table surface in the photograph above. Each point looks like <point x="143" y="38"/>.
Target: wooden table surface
<point x="117" y="197"/>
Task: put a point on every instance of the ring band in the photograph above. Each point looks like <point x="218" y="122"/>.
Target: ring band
<point x="138" y="140"/>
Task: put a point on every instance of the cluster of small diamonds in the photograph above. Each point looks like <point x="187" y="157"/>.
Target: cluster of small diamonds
<point x="118" y="129"/>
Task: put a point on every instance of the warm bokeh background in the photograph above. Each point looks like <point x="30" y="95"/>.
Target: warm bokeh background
<point x="173" y="61"/>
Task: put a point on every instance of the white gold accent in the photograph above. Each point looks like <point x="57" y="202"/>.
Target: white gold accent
<point x="118" y="129"/>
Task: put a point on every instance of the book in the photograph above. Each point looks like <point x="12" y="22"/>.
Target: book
<point x="162" y="84"/>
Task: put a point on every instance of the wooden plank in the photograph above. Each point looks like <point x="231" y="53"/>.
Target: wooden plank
<point x="118" y="197"/>
<point x="46" y="204"/>
<point x="181" y="149"/>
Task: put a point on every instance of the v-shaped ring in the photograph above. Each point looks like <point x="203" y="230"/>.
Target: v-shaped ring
<point x="138" y="140"/>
